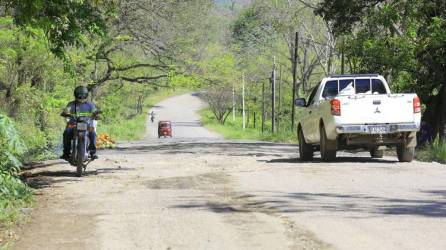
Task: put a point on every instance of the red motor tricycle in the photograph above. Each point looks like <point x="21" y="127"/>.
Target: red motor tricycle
<point x="164" y="129"/>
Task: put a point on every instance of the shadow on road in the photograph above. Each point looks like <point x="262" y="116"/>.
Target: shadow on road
<point x="196" y="124"/>
<point x="47" y="178"/>
<point x="281" y="152"/>
<point x="342" y="159"/>
<point x="35" y="165"/>
<point x="218" y="148"/>
<point x="351" y="206"/>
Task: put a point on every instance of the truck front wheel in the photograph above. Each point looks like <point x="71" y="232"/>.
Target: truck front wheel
<point x="305" y="150"/>
<point x="405" y="154"/>
<point x="328" y="147"/>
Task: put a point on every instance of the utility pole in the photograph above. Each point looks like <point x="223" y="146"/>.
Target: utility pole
<point x="293" y="107"/>
<point x="263" y="106"/>
<point x="273" y="96"/>
<point x="279" y="106"/>
<point x="243" y="102"/>
<point x="233" y="101"/>
<point x="254" y="110"/>
<point x="342" y="57"/>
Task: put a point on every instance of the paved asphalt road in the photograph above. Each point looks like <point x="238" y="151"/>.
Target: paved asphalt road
<point x="199" y="191"/>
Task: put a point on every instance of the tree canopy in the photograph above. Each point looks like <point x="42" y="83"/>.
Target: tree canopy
<point x="64" y="22"/>
<point x="404" y="40"/>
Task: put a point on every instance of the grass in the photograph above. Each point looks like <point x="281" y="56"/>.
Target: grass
<point x="135" y="128"/>
<point x="126" y="130"/>
<point x="435" y="151"/>
<point x="9" y="209"/>
<point x="233" y="130"/>
<point x="14" y="195"/>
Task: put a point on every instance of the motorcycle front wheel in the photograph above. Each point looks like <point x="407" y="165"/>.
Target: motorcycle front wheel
<point x="80" y="157"/>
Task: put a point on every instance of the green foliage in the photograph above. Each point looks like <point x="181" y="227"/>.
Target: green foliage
<point x="435" y="151"/>
<point x="11" y="147"/>
<point x="64" y="22"/>
<point x="403" y="40"/>
<point x="13" y="193"/>
<point x="125" y="130"/>
<point x="233" y="130"/>
<point x="344" y="14"/>
<point x="219" y="67"/>
<point x="250" y="30"/>
<point x="12" y="190"/>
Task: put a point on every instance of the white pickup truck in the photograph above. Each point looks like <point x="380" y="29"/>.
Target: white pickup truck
<point x="357" y="112"/>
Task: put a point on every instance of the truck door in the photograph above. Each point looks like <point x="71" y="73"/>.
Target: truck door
<point x="308" y="119"/>
<point x="330" y="90"/>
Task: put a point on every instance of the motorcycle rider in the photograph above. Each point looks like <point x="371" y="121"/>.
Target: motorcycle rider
<point x="79" y="106"/>
<point x="152" y="116"/>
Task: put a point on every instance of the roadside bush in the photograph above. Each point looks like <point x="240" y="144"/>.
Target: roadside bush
<point x="13" y="193"/>
<point x="435" y="151"/>
<point x="11" y="146"/>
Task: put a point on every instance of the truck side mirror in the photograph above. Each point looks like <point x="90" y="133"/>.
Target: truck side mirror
<point x="300" y="102"/>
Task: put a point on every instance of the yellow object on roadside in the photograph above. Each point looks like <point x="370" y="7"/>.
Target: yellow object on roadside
<point x="104" y="141"/>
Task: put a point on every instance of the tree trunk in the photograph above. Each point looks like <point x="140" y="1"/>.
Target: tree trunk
<point x="263" y="106"/>
<point x="294" y="62"/>
<point x="273" y="97"/>
<point x="279" y="106"/>
<point x="442" y="118"/>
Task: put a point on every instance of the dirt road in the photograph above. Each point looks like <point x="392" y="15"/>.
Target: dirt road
<point x="198" y="191"/>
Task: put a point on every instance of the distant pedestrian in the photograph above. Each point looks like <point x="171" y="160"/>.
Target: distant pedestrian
<point x="152" y="116"/>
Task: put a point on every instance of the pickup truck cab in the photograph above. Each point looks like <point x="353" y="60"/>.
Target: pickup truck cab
<point x="357" y="112"/>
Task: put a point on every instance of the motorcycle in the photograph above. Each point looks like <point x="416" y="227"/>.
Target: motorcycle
<point x="79" y="145"/>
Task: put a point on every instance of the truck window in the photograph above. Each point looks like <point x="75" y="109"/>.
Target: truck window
<point x="346" y="87"/>
<point x="311" y="97"/>
<point x="330" y="89"/>
<point x="362" y="86"/>
<point x="378" y="87"/>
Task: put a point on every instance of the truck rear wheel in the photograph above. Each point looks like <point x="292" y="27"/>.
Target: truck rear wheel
<point x="405" y="154"/>
<point x="328" y="147"/>
<point x="305" y="150"/>
<point x="376" y="153"/>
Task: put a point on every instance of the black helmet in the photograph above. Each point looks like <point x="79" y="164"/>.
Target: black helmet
<point x="81" y="93"/>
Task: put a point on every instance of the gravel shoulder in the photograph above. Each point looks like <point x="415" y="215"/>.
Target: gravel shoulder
<point x="199" y="191"/>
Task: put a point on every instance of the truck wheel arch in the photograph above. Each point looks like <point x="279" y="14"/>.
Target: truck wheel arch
<point x="299" y="127"/>
<point x="321" y="123"/>
<point x="329" y="135"/>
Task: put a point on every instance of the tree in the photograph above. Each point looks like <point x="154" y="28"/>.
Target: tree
<point x="64" y="22"/>
<point x="219" y="99"/>
<point x="152" y="33"/>
<point x="404" y="40"/>
<point x="268" y="28"/>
